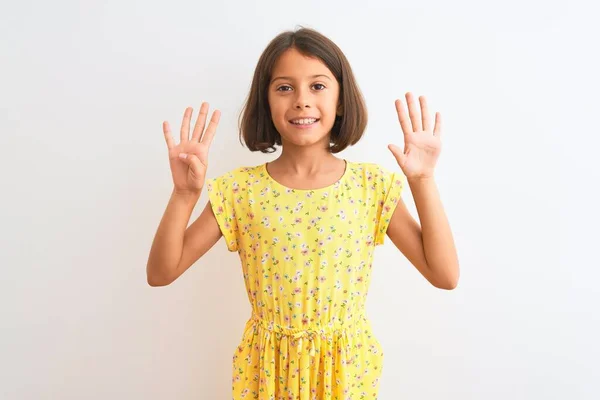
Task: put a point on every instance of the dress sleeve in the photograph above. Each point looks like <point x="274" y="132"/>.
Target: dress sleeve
<point x="390" y="185"/>
<point x="221" y="196"/>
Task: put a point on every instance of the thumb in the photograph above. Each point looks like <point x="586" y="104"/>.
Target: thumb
<point x="398" y="154"/>
<point x="192" y="161"/>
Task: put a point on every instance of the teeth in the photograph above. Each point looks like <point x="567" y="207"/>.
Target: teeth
<point x="305" y="121"/>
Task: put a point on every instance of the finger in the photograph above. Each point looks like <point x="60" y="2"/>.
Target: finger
<point x="212" y="128"/>
<point x="200" y="122"/>
<point x="424" y="113"/>
<point x="437" y="129"/>
<point x="185" y="125"/>
<point x="403" y="118"/>
<point x="413" y="113"/>
<point x="168" y="136"/>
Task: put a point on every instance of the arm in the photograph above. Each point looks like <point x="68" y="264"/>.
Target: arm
<point x="429" y="247"/>
<point x="176" y="248"/>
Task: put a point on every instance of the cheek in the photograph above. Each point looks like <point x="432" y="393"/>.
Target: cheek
<point x="277" y="108"/>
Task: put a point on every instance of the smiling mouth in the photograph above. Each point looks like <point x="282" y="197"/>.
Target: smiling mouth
<point x="312" y="123"/>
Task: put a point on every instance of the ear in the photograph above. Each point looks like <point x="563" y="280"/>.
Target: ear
<point x="340" y="110"/>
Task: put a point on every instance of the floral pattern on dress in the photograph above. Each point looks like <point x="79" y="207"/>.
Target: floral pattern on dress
<point x="306" y="257"/>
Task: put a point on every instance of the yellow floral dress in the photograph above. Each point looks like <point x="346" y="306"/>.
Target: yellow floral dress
<point x="306" y="257"/>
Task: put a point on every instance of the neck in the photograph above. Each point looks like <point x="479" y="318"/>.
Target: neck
<point x="306" y="160"/>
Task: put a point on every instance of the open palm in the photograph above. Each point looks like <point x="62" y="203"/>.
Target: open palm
<point x="422" y="144"/>
<point x="189" y="158"/>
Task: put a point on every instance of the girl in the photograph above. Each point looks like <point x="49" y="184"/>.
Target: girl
<point x="305" y="226"/>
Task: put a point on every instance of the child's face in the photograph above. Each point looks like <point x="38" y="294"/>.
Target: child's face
<point x="301" y="94"/>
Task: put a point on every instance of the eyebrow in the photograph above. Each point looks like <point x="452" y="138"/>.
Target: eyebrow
<point x="291" y="79"/>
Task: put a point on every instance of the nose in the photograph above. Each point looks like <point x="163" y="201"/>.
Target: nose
<point x="302" y="105"/>
<point x="301" y="100"/>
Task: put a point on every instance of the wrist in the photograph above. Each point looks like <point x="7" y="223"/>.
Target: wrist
<point x="420" y="179"/>
<point x="190" y="195"/>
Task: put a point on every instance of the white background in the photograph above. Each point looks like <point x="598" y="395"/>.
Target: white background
<point x="85" y="86"/>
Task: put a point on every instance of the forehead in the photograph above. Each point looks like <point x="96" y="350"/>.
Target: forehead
<point x="296" y="65"/>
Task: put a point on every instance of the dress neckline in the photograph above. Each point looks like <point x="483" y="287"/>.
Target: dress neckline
<point x="334" y="184"/>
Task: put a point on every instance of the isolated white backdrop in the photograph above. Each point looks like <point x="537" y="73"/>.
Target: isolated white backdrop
<point x="85" y="87"/>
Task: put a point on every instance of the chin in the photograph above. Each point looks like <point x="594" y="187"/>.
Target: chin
<point x="308" y="140"/>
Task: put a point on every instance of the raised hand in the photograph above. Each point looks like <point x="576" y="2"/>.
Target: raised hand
<point x="189" y="158"/>
<point x="422" y="144"/>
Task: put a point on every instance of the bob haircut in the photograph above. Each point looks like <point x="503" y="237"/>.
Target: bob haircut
<point x="255" y="123"/>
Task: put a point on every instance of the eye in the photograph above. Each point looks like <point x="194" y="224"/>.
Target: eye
<point x="279" y="89"/>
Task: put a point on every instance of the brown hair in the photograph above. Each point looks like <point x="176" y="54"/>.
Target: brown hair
<point x="255" y="123"/>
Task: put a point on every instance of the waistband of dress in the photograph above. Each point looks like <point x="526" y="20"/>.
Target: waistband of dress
<point x="297" y="335"/>
<point x="331" y="328"/>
